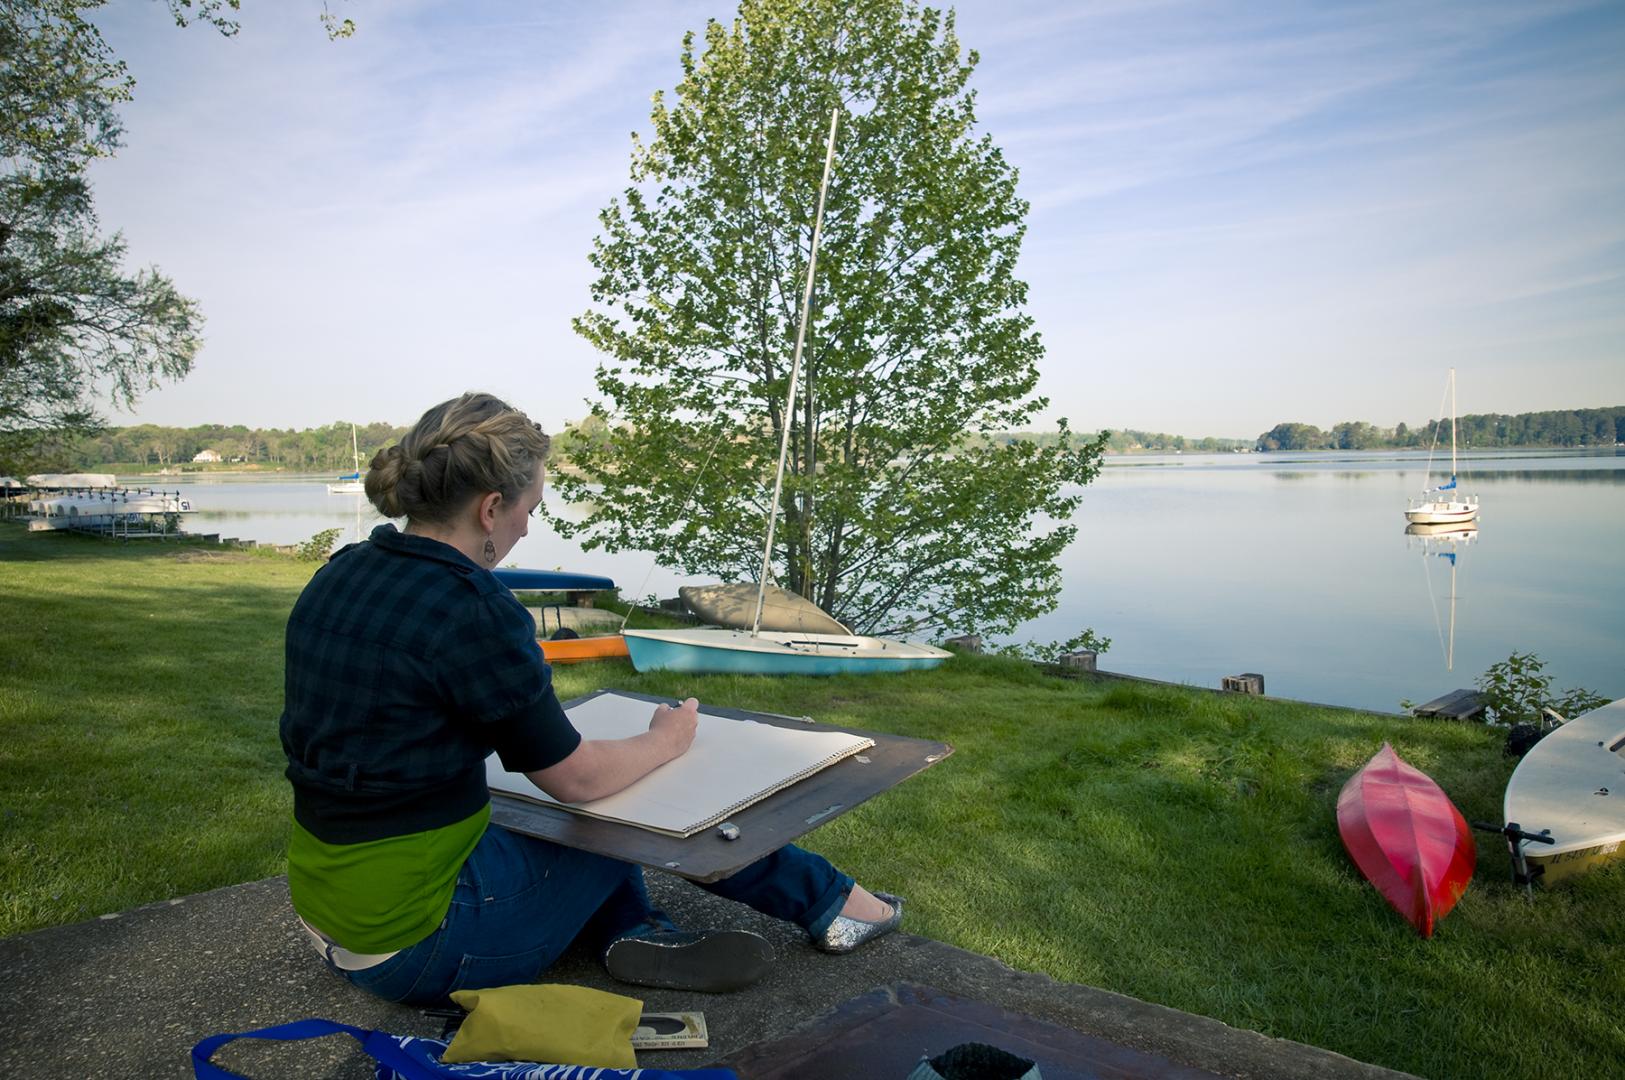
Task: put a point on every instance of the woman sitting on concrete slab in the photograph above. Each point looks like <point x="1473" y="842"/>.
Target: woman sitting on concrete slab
<point x="408" y="663"/>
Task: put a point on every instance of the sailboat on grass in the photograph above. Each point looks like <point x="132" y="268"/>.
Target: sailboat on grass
<point x="1444" y="505"/>
<point x="793" y="651"/>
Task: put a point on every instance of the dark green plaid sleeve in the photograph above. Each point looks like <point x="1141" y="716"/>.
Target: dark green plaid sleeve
<point x="492" y="672"/>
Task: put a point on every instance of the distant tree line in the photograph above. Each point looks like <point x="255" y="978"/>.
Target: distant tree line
<point x="324" y="448"/>
<point x="1561" y="427"/>
<point x="320" y="448"/>
<point x="147" y="445"/>
<point x="1123" y="440"/>
<point x="1127" y="439"/>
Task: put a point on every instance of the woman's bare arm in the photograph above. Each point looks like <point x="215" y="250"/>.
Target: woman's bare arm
<point x="600" y="767"/>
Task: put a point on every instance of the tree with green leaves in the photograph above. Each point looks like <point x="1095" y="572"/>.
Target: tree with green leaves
<point x="75" y="327"/>
<point x="898" y="514"/>
<point x="1293" y="436"/>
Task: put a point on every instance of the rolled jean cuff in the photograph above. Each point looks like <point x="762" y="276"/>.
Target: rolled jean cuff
<point x="826" y="907"/>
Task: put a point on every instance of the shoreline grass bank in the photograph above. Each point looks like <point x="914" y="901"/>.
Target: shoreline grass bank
<point x="1174" y="845"/>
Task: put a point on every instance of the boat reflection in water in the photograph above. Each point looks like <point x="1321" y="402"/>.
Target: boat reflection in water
<point x="1445" y="541"/>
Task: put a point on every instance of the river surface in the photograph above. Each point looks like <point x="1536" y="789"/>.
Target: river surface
<point x="1295" y="566"/>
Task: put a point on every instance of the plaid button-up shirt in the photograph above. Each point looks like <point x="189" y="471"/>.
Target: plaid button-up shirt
<point x="407" y="664"/>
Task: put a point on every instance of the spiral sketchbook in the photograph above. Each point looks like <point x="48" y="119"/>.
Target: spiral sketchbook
<point x="731" y="765"/>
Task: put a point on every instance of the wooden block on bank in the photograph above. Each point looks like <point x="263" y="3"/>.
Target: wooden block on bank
<point x="1248" y="682"/>
<point x="971" y="643"/>
<point x="1456" y="705"/>
<point x="1083" y="660"/>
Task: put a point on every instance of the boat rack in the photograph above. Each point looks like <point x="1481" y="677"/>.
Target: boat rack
<point x="23" y="503"/>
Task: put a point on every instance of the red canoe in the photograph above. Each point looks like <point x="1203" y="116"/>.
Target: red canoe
<point x="1407" y="838"/>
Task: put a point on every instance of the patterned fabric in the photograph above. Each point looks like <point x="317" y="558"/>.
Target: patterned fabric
<point x="406" y="665"/>
<point x="428" y="1051"/>
<point x="406" y="1057"/>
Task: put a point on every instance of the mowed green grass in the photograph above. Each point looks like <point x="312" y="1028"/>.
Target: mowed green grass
<point x="139" y="689"/>
<point x="1174" y="845"/>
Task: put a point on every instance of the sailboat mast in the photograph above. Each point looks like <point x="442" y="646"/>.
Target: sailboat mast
<point x="795" y="370"/>
<point x="1452" y="425"/>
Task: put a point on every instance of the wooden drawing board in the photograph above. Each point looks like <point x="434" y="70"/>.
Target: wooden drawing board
<point x="769" y="825"/>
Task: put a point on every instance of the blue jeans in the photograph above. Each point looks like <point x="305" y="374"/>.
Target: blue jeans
<point x="520" y="902"/>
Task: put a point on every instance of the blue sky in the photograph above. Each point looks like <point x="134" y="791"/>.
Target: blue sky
<point x="1241" y="213"/>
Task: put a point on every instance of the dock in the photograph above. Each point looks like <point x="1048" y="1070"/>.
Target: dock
<point x="1456" y="705"/>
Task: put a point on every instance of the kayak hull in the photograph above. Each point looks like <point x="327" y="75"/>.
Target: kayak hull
<point x="1407" y="838"/>
<point x="581" y="649"/>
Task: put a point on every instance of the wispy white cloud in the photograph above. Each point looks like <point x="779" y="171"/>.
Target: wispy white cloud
<point x="1279" y="208"/>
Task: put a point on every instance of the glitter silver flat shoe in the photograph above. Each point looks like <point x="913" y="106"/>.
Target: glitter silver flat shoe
<point x="845" y="933"/>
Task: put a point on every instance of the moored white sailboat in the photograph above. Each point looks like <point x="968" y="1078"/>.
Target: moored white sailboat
<point x="350" y="483"/>
<point x="788" y="652"/>
<point x="1444" y="505"/>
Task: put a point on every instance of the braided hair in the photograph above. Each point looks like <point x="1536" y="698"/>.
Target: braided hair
<point x="462" y="448"/>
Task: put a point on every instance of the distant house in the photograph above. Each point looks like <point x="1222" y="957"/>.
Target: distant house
<point x="207" y="456"/>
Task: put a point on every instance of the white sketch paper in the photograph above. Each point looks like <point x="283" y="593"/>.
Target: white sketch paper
<point x="732" y="764"/>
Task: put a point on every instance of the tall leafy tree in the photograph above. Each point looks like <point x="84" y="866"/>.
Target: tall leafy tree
<point x="895" y="516"/>
<point x="76" y="327"/>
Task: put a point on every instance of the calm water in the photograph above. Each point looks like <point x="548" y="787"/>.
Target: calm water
<point x="1200" y="566"/>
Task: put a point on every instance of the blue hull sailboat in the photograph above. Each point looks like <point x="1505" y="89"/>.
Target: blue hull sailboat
<point x="774" y="652"/>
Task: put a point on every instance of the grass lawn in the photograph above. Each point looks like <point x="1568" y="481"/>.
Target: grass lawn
<point x="1173" y="845"/>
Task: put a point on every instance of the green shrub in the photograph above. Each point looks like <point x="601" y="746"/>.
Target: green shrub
<point x="318" y="547"/>
<point x="1517" y="688"/>
<point x="1052" y="651"/>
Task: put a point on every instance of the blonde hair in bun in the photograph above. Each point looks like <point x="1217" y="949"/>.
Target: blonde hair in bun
<point x="468" y="446"/>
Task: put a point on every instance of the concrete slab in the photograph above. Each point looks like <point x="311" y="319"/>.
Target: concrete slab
<point x="128" y="995"/>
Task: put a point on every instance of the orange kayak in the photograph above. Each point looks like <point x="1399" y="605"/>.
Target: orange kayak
<point x="1407" y="838"/>
<point x="575" y="650"/>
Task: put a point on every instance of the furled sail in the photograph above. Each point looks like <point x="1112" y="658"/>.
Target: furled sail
<point x="734" y="605"/>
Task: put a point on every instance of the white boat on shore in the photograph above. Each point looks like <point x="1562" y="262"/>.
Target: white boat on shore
<point x="124" y="503"/>
<point x="72" y="481"/>
<point x="101" y="507"/>
<point x="1571" y="786"/>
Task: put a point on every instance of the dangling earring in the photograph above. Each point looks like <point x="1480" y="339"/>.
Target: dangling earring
<point x="490" y="551"/>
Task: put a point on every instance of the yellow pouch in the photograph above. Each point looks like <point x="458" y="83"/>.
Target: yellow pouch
<point x="548" y="1023"/>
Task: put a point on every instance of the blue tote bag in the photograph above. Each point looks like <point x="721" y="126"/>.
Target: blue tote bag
<point x="408" y="1057"/>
